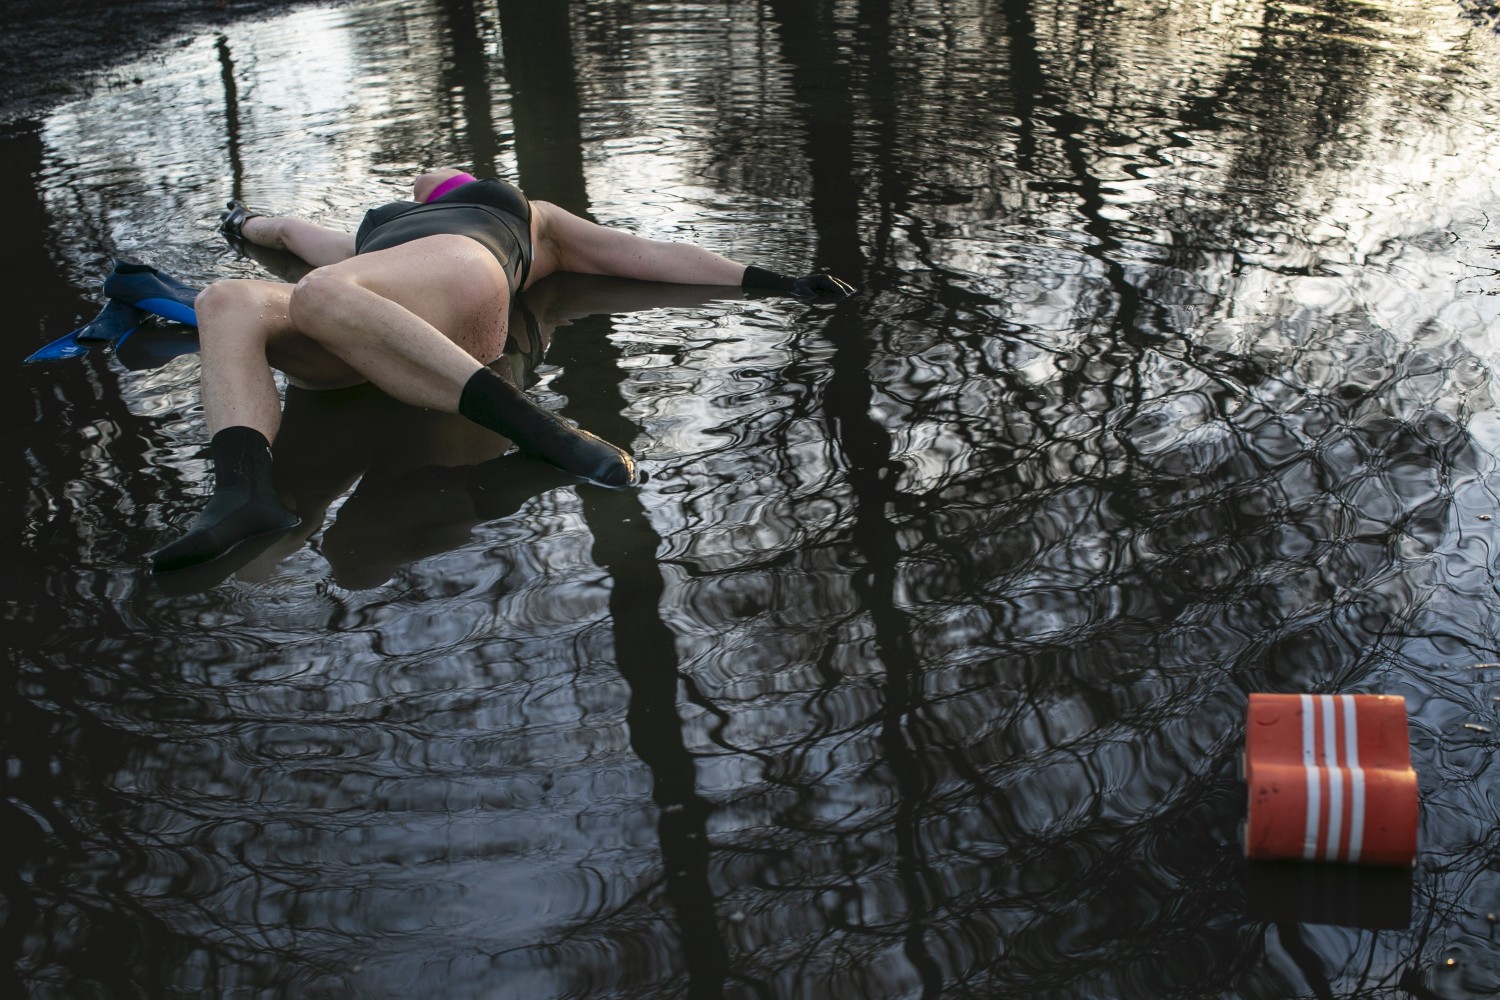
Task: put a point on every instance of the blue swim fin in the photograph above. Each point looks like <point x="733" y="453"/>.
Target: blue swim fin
<point x="116" y="321"/>
<point x="145" y="287"/>
<point x="133" y="290"/>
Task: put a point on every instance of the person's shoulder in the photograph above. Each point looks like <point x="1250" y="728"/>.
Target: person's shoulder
<point x="380" y="215"/>
<point x="389" y="211"/>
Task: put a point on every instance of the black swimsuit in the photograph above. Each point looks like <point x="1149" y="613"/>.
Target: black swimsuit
<point x="491" y="212"/>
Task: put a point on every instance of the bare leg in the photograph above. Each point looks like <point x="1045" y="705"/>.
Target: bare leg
<point x="416" y="319"/>
<point x="236" y="380"/>
<point x="244" y="328"/>
<point x="242" y="324"/>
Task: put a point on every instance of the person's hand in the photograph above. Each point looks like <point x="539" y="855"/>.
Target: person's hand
<point x="232" y="221"/>
<point x="821" y="287"/>
<point x="818" y="287"/>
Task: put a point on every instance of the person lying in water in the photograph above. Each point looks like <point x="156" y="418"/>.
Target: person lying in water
<point x="416" y="303"/>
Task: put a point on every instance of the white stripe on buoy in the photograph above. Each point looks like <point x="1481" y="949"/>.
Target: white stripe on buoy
<point x="1335" y="777"/>
<point x="1356" y="779"/>
<point x="1309" y="764"/>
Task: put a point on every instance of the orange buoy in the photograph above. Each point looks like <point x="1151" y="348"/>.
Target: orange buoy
<point x="1330" y="779"/>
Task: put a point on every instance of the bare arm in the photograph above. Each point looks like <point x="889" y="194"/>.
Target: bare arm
<point x="315" y="244"/>
<point x="564" y="242"/>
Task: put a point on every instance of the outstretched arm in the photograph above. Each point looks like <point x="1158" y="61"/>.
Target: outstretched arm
<point x="565" y="242"/>
<point x="315" y="244"/>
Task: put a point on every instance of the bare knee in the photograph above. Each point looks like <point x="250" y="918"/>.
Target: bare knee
<point x="320" y="300"/>
<point x="236" y="313"/>
<point x="225" y="297"/>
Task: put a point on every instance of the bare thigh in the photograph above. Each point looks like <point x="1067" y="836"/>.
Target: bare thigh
<point x="305" y="362"/>
<point x="241" y="318"/>
<point x="450" y="282"/>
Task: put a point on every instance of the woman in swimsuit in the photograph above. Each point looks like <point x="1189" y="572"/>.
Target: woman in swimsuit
<point x="416" y="303"/>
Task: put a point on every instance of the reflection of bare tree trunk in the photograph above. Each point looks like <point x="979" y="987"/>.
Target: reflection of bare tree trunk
<point x="825" y="98"/>
<point x="1035" y="99"/>
<point x="1120" y="338"/>
<point x="231" y="117"/>
<point x="625" y="545"/>
<point x="536" y="39"/>
<point x="810" y="48"/>
<point x="471" y="73"/>
<point x="544" y="96"/>
<point x="1026" y="80"/>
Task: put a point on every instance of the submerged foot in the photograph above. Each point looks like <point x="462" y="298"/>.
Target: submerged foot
<point x="232" y="220"/>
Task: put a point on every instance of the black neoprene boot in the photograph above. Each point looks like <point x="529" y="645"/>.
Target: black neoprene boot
<point x="490" y="401"/>
<point x="243" y="506"/>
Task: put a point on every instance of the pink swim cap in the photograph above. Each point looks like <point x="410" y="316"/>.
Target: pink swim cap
<point x="456" y="181"/>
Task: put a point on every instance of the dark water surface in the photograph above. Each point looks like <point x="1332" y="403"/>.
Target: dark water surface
<point x="918" y="666"/>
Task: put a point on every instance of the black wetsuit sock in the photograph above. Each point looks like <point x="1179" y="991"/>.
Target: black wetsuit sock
<point x="492" y="402"/>
<point x="243" y="506"/>
<point x="759" y="277"/>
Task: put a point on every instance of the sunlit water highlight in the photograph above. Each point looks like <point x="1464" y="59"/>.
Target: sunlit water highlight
<point x="918" y="665"/>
